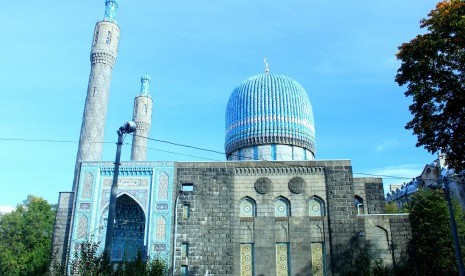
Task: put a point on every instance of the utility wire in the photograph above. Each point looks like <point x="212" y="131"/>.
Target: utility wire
<point x="186" y="146"/>
<point x="251" y="158"/>
<point x="177" y="153"/>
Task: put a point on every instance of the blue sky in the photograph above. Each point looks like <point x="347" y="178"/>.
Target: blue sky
<point x="342" y="52"/>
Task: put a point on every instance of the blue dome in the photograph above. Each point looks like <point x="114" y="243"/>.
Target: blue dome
<point x="269" y="109"/>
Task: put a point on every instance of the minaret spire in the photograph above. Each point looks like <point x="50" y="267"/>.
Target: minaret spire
<point x="144" y="85"/>
<point x="103" y="55"/>
<point x="110" y="10"/>
<point x="143" y="117"/>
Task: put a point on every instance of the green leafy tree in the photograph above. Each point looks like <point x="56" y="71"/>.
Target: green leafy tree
<point x="433" y="69"/>
<point x="87" y="262"/>
<point x="391" y="208"/>
<point x="25" y="238"/>
<point x="431" y="233"/>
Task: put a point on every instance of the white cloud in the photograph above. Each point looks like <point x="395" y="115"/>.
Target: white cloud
<point x="4" y="209"/>
<point x="386" y="144"/>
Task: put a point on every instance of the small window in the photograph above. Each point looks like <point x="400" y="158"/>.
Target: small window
<point x="108" y="40"/>
<point x="184" y="250"/>
<point x="95" y="38"/>
<point x="184" y="270"/>
<point x="186" y="210"/>
<point x="187" y="187"/>
<point x="359" y="205"/>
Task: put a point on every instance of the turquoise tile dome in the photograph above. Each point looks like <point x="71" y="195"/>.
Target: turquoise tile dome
<point x="269" y="109"/>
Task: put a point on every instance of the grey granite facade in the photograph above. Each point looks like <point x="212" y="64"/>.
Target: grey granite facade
<point x="240" y="218"/>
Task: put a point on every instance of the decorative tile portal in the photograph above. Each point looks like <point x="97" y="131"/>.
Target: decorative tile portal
<point x="282" y="260"/>
<point x="317" y="259"/>
<point x="246" y="259"/>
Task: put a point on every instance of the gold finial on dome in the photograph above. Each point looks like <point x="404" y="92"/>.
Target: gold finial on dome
<point x="267" y="70"/>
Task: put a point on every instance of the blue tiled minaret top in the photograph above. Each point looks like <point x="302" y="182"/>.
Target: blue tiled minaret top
<point x="269" y="109"/>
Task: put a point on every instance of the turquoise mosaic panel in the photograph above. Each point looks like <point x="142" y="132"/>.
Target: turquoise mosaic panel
<point x="161" y="206"/>
<point x="281" y="208"/>
<point x="315" y="207"/>
<point x="247" y="207"/>
<point x="91" y="209"/>
<point x="82" y="228"/>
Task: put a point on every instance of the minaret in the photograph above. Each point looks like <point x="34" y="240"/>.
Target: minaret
<point x="143" y="118"/>
<point x="102" y="57"/>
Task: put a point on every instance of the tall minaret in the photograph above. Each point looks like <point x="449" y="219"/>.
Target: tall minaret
<point x="143" y="118"/>
<point x="102" y="57"/>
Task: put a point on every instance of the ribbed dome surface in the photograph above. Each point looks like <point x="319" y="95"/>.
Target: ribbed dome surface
<point x="269" y="109"/>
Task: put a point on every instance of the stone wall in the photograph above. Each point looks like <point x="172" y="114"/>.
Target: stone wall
<point x="61" y="228"/>
<point x="208" y="229"/>
<point x="215" y="231"/>
<point x="341" y="214"/>
<point x="386" y="237"/>
<point x="401" y="234"/>
<point x="298" y="231"/>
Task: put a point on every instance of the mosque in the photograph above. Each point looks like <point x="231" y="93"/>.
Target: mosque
<point x="270" y="209"/>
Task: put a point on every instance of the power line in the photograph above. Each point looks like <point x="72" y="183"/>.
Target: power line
<point x="382" y="175"/>
<point x="48" y="140"/>
<point x="183" y="154"/>
<point x="177" y="153"/>
<point x="250" y="158"/>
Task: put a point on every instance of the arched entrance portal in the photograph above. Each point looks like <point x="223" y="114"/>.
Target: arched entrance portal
<point x="128" y="236"/>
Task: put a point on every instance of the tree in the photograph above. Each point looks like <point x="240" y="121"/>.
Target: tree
<point x="431" y="233"/>
<point x="391" y="208"/>
<point x="88" y="262"/>
<point x="25" y="238"/>
<point x="433" y="68"/>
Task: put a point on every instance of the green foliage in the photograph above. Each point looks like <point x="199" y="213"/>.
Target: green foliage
<point x="431" y="233"/>
<point x="362" y="264"/>
<point x="391" y="208"/>
<point x="433" y="68"/>
<point x="25" y="238"/>
<point x="87" y="262"/>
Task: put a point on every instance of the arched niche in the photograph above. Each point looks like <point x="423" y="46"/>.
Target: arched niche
<point x="129" y="229"/>
<point x="248" y="208"/>
<point x="282" y="207"/>
<point x="316" y="207"/>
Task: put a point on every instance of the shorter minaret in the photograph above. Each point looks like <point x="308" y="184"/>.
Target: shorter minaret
<point x="143" y="118"/>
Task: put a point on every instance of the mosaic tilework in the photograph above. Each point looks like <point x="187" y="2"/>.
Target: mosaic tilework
<point x="315" y="207"/>
<point x="247" y="207"/>
<point x="110" y="10"/>
<point x="282" y="262"/>
<point x="82" y="228"/>
<point x="281" y="207"/>
<point x="267" y="109"/>
<point x="163" y="186"/>
<point x="317" y="259"/>
<point x="247" y="259"/>
<point x="159" y="237"/>
<point x="88" y="184"/>
<point x="92" y="202"/>
<point x="161" y="229"/>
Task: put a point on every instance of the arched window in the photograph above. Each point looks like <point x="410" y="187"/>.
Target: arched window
<point x="316" y="207"/>
<point x="359" y="205"/>
<point x="282" y="207"/>
<point x="247" y="208"/>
